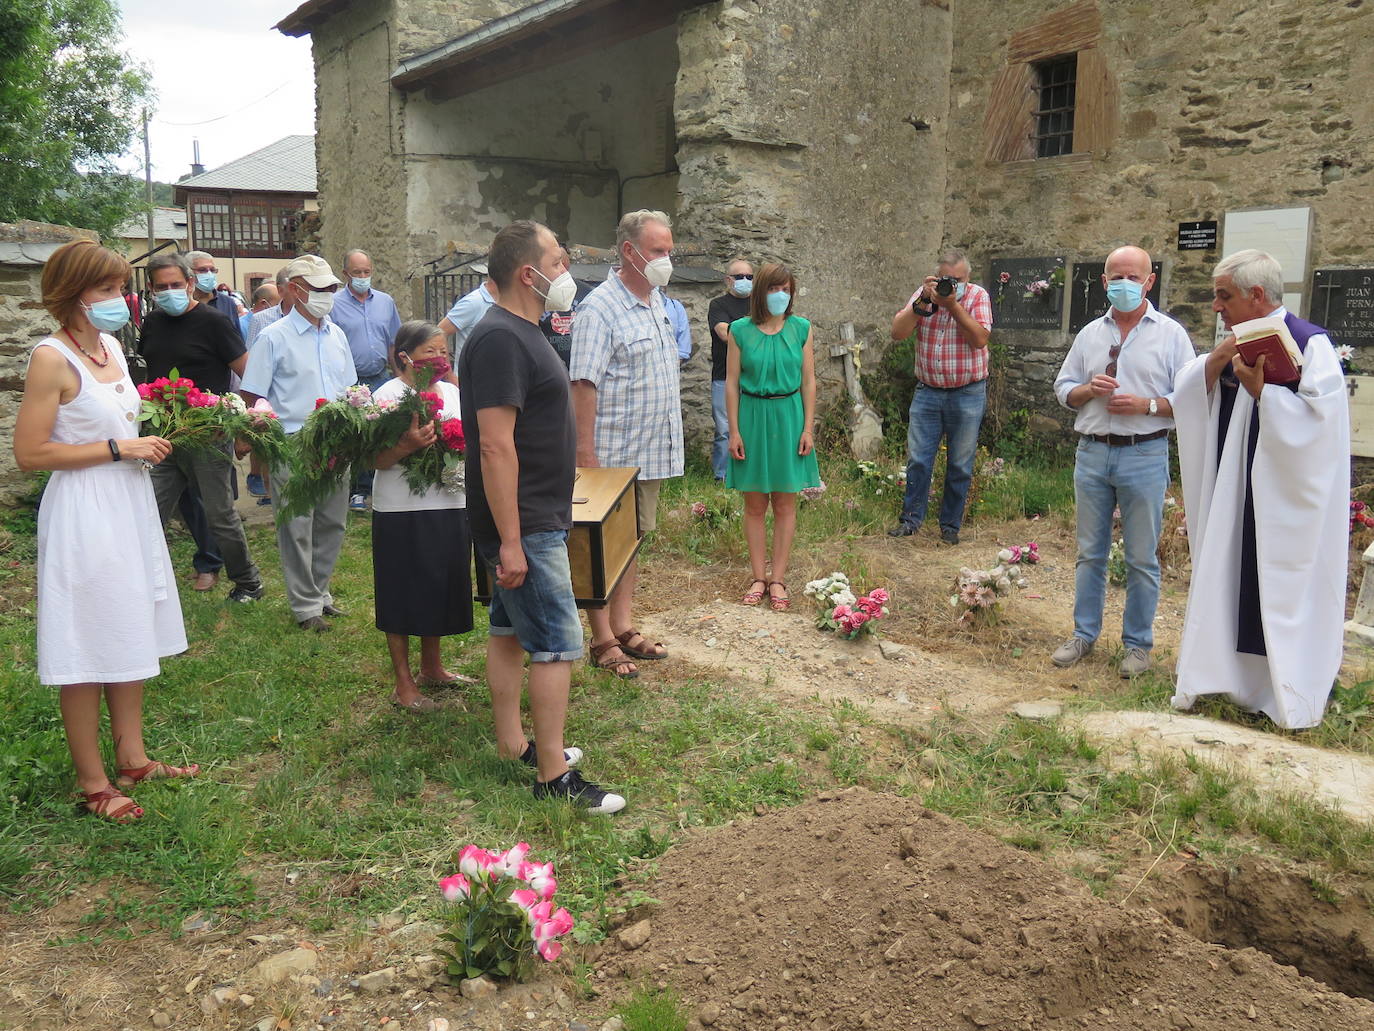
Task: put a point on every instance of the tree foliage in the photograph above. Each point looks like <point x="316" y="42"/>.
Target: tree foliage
<point x="69" y="103"/>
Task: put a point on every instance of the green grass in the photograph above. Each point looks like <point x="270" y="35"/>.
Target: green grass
<point x="308" y="769"/>
<point x="1045" y="787"/>
<point x="652" y="1009"/>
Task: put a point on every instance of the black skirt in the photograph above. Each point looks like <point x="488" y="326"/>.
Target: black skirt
<point x="421" y="572"/>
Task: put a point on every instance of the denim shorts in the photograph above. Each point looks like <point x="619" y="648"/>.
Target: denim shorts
<point x="541" y="613"/>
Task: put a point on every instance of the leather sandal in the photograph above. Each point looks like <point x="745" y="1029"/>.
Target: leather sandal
<point x="104" y="808"/>
<point x="753" y="597"/>
<point x="419" y="704"/>
<point x="635" y="653"/>
<point x="775" y="603"/>
<point x="155" y="771"/>
<point x="612" y="666"/>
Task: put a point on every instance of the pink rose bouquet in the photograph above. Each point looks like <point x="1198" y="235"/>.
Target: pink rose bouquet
<point x="503" y="913"/>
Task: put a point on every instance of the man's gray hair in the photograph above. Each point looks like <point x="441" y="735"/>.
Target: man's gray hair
<point x="282" y="277"/>
<point x="168" y="260"/>
<point x="1251" y="268"/>
<point x="632" y="225"/>
<point x="194" y="256"/>
<point x="355" y="250"/>
<point x="953" y="257"/>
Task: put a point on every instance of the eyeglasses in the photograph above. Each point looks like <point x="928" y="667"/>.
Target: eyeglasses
<point x="208" y="268"/>
<point x="1111" y="360"/>
<point x="737" y="276"/>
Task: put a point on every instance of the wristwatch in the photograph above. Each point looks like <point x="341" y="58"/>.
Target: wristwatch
<point x="1154" y="406"/>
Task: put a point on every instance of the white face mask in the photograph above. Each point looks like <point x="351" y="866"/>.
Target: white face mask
<point x="562" y="291"/>
<point x="319" y="303"/>
<point x="658" y="271"/>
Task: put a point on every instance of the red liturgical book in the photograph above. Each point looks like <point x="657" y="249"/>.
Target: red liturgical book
<point x="1270" y="337"/>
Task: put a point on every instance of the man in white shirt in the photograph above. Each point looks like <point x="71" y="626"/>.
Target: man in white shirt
<point x="1266" y="483"/>
<point x="1119" y="376"/>
<point x="294" y="362"/>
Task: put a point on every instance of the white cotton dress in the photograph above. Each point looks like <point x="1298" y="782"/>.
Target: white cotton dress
<point x="107" y="601"/>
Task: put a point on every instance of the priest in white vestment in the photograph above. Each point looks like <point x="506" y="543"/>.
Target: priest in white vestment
<point x="1266" y="485"/>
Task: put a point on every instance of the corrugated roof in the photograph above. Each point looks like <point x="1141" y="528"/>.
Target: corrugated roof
<point x="287" y="166"/>
<point x="168" y="224"/>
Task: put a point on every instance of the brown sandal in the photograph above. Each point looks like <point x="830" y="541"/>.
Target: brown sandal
<point x="775" y="603"/>
<point x="634" y="653"/>
<point x="612" y="666"/>
<point x="753" y="597"/>
<point x="103" y="801"/>
<point x="155" y="771"/>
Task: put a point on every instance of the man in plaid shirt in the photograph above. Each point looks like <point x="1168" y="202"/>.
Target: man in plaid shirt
<point x="951" y="391"/>
<point x="624" y="371"/>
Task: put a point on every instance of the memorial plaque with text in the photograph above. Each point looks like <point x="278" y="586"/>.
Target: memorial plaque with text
<point x="1197" y="236"/>
<point x="1088" y="297"/>
<point x="1343" y="302"/>
<point x="1012" y="308"/>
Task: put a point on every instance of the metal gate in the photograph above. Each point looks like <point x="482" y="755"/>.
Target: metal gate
<point x="443" y="286"/>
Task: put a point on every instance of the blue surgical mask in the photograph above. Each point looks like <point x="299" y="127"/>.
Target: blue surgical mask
<point x="173" y="302"/>
<point x="742" y="287"/>
<point x="1124" y="294"/>
<point x="207" y="281"/>
<point x="959" y="289"/>
<point x="361" y="286"/>
<point x="778" y="301"/>
<point x="108" y="316"/>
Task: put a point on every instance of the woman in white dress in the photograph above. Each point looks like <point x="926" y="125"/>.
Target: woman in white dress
<point x="107" y="601"/>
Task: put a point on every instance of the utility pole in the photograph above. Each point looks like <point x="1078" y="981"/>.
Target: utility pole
<point x="148" y="180"/>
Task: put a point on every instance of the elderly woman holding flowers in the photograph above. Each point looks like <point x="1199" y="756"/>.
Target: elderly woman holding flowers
<point x="420" y="542"/>
<point x="770" y="401"/>
<point x="107" y="598"/>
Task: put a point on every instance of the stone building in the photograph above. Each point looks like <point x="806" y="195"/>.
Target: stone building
<point x="855" y="138"/>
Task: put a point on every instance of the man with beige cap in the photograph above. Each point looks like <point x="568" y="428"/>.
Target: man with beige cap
<point x="294" y="362"/>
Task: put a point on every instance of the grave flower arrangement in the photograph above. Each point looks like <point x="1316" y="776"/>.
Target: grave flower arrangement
<point x="502" y="913"/>
<point x="354" y="428"/>
<point x="878" y="478"/>
<point x="1359" y="515"/>
<point x="841" y="611"/>
<point x="979" y="593"/>
<point x="1043" y="289"/>
<point x="198" y="420"/>
<point x="1345" y="354"/>
<point x="714" y="513"/>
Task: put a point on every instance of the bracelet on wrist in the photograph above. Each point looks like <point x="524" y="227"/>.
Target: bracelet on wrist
<point x="114" y="450"/>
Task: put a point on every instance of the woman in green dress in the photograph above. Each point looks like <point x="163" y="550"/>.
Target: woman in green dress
<point x="770" y="398"/>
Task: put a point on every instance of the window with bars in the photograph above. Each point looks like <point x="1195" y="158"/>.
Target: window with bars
<point x="250" y="226"/>
<point x="1055" y="87"/>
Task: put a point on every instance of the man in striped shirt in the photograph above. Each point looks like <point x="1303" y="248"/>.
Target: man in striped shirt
<point x="951" y="390"/>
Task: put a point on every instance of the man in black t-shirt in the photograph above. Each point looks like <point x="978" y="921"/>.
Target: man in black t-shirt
<point x="201" y="344"/>
<point x="725" y="309"/>
<point x="521" y="448"/>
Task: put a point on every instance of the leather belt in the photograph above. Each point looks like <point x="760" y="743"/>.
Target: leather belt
<point x="769" y="397"/>
<point x="1125" y="439"/>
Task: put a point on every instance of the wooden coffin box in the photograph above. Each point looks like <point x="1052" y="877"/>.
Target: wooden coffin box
<point x="603" y="540"/>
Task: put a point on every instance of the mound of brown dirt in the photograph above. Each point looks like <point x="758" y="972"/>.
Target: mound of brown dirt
<point x="861" y="910"/>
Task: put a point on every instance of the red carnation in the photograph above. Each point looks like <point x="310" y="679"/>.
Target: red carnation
<point x="320" y="402"/>
<point x="452" y="431"/>
<point x="433" y="403"/>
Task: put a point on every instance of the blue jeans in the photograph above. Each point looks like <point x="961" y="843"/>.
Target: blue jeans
<point x="1132" y="479"/>
<point x="362" y="477"/>
<point x="954" y="415"/>
<point x="720" y="444"/>
<point x="542" y="612"/>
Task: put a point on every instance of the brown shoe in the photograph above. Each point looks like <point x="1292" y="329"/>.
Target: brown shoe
<point x="206" y="581"/>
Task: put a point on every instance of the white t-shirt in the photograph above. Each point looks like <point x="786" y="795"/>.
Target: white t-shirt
<point x="389" y="490"/>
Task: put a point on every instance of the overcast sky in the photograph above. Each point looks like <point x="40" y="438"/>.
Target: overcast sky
<point x="213" y="65"/>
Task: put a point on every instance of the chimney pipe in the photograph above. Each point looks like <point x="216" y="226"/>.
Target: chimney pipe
<point x="196" y="167"/>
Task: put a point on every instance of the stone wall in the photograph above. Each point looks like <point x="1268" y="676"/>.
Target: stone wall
<point x="24" y="247"/>
<point x="794" y="145"/>
<point x="1223" y="106"/>
<point x="360" y="145"/>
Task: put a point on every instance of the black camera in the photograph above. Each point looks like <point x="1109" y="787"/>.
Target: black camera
<point x="945" y="285"/>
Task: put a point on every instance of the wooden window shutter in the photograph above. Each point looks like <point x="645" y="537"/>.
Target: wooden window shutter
<point x="1010" y="115"/>
<point x="1095" y="104"/>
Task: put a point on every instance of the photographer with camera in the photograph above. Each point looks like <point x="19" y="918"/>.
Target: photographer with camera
<point x="951" y="318"/>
